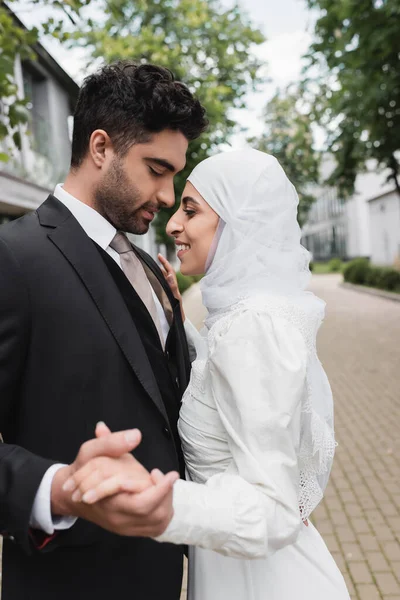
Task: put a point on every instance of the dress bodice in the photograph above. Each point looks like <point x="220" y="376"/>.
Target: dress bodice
<point x="203" y="436"/>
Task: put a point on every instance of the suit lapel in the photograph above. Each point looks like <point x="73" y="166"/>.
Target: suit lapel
<point x="177" y="334"/>
<point x="160" y="293"/>
<point x="158" y="283"/>
<point x="68" y="236"/>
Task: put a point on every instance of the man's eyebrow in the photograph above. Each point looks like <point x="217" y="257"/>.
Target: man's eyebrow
<point x="187" y="199"/>
<point x="162" y="162"/>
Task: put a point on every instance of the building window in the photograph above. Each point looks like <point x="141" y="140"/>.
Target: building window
<point x="36" y="92"/>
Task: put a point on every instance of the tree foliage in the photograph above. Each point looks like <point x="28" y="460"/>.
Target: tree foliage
<point x="205" y="45"/>
<point x="15" y="40"/>
<point x="288" y="136"/>
<point x="353" y="84"/>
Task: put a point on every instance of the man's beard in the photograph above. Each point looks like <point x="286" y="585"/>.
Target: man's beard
<point x="119" y="201"/>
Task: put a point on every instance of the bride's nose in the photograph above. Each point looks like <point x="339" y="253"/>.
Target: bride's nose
<point x="174" y="227"/>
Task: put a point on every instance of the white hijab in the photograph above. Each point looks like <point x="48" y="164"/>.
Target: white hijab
<point x="257" y="255"/>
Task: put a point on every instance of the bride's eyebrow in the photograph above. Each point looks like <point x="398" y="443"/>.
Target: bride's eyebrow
<point x="187" y="199"/>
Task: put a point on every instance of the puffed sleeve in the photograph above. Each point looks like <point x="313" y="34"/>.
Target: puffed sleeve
<point x="257" y="370"/>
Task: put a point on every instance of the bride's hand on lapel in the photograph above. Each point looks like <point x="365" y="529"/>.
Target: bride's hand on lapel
<point x="170" y="276"/>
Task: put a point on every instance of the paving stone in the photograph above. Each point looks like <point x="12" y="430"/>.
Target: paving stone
<point x="360" y="572"/>
<point x="392" y="550"/>
<point x="377" y="562"/>
<point x="368" y="592"/>
<point x="387" y="583"/>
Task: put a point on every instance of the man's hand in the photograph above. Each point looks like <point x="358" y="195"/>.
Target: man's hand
<point x="146" y="513"/>
<point x="112" y="445"/>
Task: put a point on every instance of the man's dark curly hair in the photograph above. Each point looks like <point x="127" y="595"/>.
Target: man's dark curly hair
<point x="130" y="102"/>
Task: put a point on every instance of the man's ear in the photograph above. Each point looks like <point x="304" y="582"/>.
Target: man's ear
<point x="99" y="146"/>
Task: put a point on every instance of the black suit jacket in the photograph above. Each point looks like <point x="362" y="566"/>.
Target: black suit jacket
<point x="71" y="355"/>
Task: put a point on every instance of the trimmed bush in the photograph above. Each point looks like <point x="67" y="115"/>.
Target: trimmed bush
<point x="335" y="265"/>
<point x="356" y="271"/>
<point x="360" y="272"/>
<point x="184" y="282"/>
<point x="373" y="278"/>
<point x="389" y="280"/>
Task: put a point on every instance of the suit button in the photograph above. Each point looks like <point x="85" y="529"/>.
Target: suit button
<point x="177" y="382"/>
<point x="167" y="433"/>
<point x="167" y="355"/>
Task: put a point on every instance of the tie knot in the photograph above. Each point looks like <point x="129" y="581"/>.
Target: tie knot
<point x="120" y="243"/>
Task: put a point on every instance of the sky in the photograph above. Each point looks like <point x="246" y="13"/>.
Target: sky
<point x="287" y="27"/>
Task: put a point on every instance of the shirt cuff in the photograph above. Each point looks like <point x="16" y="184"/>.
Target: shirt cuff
<point x="41" y="517"/>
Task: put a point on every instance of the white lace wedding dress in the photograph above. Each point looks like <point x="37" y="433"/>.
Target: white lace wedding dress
<point x="241" y="426"/>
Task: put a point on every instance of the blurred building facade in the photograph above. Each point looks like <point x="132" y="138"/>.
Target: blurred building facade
<point x="384" y="213"/>
<point x="43" y="160"/>
<point x="355" y="227"/>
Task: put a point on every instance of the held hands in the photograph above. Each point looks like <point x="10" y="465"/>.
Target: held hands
<point x="108" y="486"/>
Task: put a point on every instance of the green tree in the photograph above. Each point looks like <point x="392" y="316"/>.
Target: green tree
<point x="353" y="83"/>
<point x="288" y="136"/>
<point x="205" y="45"/>
<point x="15" y="40"/>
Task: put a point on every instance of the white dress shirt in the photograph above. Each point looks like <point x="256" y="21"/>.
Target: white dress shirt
<point x="101" y="232"/>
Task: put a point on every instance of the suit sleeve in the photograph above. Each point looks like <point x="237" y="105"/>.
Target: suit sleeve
<point x="20" y="471"/>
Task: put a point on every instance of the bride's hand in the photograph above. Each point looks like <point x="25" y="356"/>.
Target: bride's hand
<point x="103" y="476"/>
<point x="170" y="276"/>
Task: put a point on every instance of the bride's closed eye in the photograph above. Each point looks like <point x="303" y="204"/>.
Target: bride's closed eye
<point x="189" y="213"/>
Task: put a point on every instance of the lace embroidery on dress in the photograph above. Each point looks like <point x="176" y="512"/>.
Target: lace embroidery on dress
<point x="197" y="380"/>
<point x="317" y="440"/>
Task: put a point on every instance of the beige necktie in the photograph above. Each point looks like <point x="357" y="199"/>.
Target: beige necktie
<point x="133" y="269"/>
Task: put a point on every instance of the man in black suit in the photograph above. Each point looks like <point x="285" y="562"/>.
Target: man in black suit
<point x="89" y="332"/>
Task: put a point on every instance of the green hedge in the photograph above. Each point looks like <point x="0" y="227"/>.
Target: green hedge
<point x="185" y="281"/>
<point x="335" y="265"/>
<point x="360" y="272"/>
<point x="322" y="268"/>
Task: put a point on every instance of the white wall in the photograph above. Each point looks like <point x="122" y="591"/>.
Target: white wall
<point x="385" y="229"/>
<point x="358" y="240"/>
<point x="356" y="210"/>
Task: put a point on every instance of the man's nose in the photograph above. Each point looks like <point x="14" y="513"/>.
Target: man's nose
<point x="166" y="196"/>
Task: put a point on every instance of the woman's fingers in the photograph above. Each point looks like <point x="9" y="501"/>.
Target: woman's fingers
<point x="113" y="485"/>
<point x="166" y="264"/>
<point x="84" y="473"/>
<point x="156" y="476"/>
<point x="149" y="500"/>
<point x="170" y="276"/>
<point x="90" y="481"/>
<point x="113" y="445"/>
<point x="94" y="488"/>
<point x="102" y="429"/>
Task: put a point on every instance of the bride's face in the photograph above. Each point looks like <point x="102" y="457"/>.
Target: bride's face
<point x="193" y="226"/>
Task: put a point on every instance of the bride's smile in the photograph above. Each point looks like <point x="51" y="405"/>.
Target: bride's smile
<point x="193" y="226"/>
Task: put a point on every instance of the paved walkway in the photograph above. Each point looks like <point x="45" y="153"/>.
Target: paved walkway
<point x="359" y="345"/>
